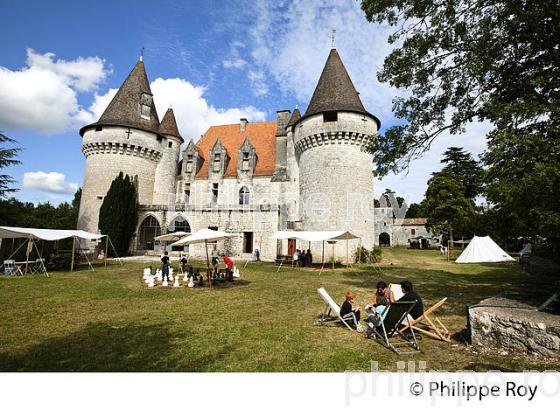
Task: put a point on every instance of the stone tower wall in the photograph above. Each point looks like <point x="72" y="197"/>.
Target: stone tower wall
<point x="336" y="180"/>
<point x="109" y="152"/>
<point x="166" y="171"/>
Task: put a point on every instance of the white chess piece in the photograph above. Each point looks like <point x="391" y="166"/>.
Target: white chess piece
<point x="165" y="283"/>
<point x="191" y="282"/>
<point x="151" y="282"/>
<point x="185" y="277"/>
<point x="176" y="283"/>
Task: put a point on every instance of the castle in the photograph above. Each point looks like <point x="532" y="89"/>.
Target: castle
<point x="299" y="172"/>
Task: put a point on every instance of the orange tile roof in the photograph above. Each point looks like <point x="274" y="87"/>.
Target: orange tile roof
<point x="262" y="135"/>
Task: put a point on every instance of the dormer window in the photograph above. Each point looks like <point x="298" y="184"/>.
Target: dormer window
<point x="245" y="163"/>
<point x="189" y="165"/>
<point x="145" y="106"/>
<point x="331" y="116"/>
<point x="216" y="164"/>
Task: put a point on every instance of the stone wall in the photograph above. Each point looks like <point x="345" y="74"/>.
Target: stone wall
<point x="166" y="171"/>
<point x="108" y="152"/>
<point x="514" y="326"/>
<point x="336" y="179"/>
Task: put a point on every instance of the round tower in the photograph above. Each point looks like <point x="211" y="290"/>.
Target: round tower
<point x="125" y="138"/>
<point x="335" y="172"/>
<point x="166" y="171"/>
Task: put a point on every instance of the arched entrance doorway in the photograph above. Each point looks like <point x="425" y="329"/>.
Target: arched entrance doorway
<point x="148" y="230"/>
<point x="384" y="239"/>
<point x="176" y="225"/>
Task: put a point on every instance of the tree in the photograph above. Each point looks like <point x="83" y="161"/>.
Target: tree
<point x="415" y="211"/>
<point x="119" y="213"/>
<point x="462" y="61"/>
<point x="465" y="169"/>
<point x="446" y="206"/>
<point x="7" y="156"/>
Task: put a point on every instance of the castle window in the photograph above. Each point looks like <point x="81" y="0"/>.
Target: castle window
<point x="247" y="242"/>
<point x="187" y="193"/>
<point x="145" y="106"/>
<point x="244" y="196"/>
<point x="245" y="163"/>
<point x="98" y="128"/>
<point x="170" y="145"/>
<point x="216" y="166"/>
<point x="214" y="193"/>
<point x="330" y="116"/>
<point x="159" y="138"/>
<point x="413" y="231"/>
<point x="99" y="197"/>
<point x="189" y="167"/>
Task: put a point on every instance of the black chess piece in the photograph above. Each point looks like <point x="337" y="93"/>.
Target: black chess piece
<point x="200" y="280"/>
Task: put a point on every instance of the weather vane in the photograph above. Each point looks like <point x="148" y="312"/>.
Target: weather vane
<point x="333" y="34"/>
<point x="142" y="54"/>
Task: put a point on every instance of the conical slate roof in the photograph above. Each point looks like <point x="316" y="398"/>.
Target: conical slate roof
<point x="168" y="125"/>
<point x="335" y="91"/>
<point x="294" y="118"/>
<point x="125" y="107"/>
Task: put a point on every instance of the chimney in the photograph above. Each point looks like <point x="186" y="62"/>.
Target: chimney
<point x="242" y="123"/>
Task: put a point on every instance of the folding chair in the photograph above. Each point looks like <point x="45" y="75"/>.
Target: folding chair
<point x="332" y="306"/>
<point x="38" y="266"/>
<point x="394" y="316"/>
<point x="431" y="325"/>
<point x="11" y="268"/>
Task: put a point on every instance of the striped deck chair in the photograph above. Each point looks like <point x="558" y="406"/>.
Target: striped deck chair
<point x="429" y="324"/>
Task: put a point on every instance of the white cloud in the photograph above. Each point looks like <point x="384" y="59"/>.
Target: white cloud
<point x="43" y="95"/>
<point x="192" y="111"/>
<point x="53" y="182"/>
<point x="289" y="43"/>
<point x="234" y="63"/>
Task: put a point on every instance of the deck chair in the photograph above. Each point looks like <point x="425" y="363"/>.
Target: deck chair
<point x="429" y="324"/>
<point x="395" y="315"/>
<point x="332" y="306"/>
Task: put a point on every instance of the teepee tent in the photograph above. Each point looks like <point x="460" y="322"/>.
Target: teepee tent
<point x="483" y="249"/>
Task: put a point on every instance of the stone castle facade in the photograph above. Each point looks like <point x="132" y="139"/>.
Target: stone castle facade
<point x="298" y="172"/>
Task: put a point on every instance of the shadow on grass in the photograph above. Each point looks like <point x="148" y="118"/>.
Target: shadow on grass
<point x="432" y="285"/>
<point x="102" y="347"/>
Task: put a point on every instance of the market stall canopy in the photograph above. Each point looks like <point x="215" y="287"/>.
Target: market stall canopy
<point x="204" y="235"/>
<point x="46" y="234"/>
<point x="172" y="236"/>
<point x="483" y="249"/>
<point x="315" y="236"/>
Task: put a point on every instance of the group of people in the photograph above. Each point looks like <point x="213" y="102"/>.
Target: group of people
<point x="377" y="308"/>
<point x="165" y="263"/>
<point x="302" y="258"/>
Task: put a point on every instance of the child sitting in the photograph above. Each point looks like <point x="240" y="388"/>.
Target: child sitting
<point x="348" y="313"/>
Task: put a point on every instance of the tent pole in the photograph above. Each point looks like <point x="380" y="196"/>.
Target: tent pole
<point x="347" y="260"/>
<point x="323" y="255"/>
<point x="73" y="250"/>
<point x="27" y="254"/>
<point x="208" y="264"/>
<point x="87" y="259"/>
<point x="106" y="249"/>
<point x="333" y="255"/>
<point x="41" y="259"/>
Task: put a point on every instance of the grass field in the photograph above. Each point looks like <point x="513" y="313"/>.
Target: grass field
<point x="107" y="321"/>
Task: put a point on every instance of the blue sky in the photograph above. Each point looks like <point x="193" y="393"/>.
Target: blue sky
<point x="214" y="62"/>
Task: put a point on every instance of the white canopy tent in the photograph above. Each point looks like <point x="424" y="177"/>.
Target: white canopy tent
<point x="318" y="236"/>
<point x="483" y="249"/>
<point x="173" y="236"/>
<point x="204" y="236"/>
<point x="33" y="234"/>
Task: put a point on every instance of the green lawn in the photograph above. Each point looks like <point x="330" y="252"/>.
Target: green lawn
<point x="107" y="321"/>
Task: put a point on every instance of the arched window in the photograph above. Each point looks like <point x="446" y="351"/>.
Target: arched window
<point x="244" y="196"/>
<point x="147" y="231"/>
<point x="179" y="224"/>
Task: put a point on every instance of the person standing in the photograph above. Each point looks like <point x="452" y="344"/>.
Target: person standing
<point x="165" y="266"/>
<point x="295" y="258"/>
<point x="229" y="268"/>
<point x="215" y="256"/>
<point x="184" y="261"/>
